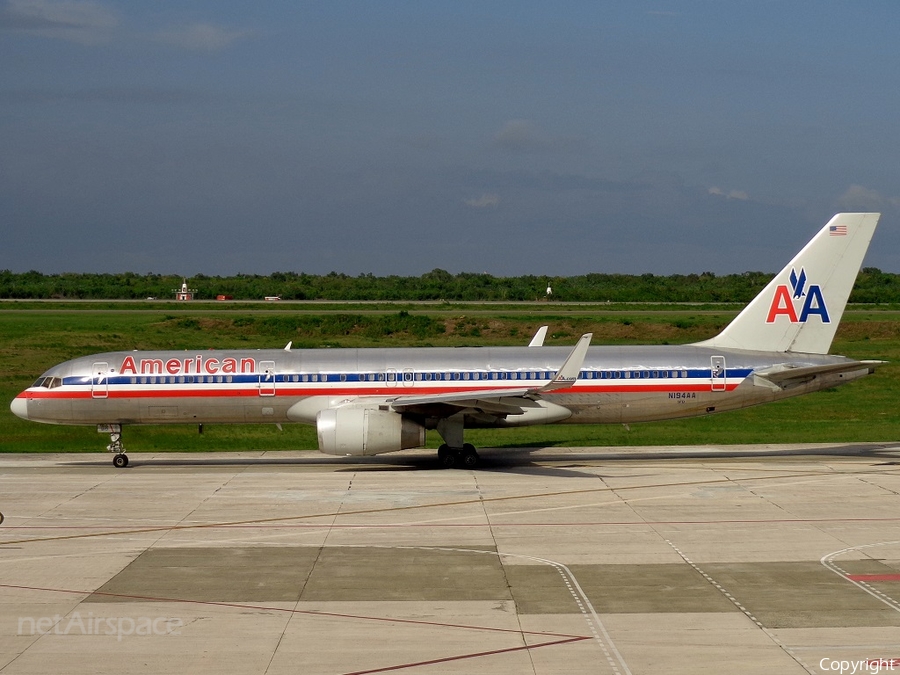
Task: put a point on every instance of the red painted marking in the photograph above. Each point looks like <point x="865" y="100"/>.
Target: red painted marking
<point x="460" y="657"/>
<point x="311" y="612"/>
<point x="873" y="577"/>
<point x="428" y="525"/>
<point x="199" y="390"/>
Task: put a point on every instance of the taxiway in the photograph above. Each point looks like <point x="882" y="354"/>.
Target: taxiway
<point x="764" y="559"/>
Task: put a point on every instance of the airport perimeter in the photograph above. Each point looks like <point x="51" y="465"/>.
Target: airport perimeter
<point x="745" y="559"/>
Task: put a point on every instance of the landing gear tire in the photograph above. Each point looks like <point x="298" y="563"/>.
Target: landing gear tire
<point x="446" y="457"/>
<point x="115" y="443"/>
<point x="469" y="456"/>
<point x="465" y="457"/>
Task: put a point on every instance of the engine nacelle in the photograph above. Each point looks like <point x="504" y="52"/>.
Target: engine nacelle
<point x="366" y="431"/>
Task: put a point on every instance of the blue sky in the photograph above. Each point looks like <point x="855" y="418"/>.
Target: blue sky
<point x="398" y="137"/>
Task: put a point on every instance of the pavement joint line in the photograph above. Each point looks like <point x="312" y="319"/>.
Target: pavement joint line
<point x="394" y="509"/>
<point x="774" y="638"/>
<point x="827" y="561"/>
<point x="487" y="517"/>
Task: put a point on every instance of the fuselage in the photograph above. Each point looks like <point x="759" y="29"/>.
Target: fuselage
<point x="616" y="384"/>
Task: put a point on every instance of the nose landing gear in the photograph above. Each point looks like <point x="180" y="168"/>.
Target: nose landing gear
<point x="115" y="443"/>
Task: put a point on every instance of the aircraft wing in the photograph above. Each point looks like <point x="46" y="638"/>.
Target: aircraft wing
<point x="500" y="401"/>
<point x="784" y="376"/>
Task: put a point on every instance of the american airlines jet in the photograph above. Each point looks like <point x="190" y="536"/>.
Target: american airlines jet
<point x="371" y="401"/>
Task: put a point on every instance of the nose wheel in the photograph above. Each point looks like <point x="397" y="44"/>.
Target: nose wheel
<point x="115" y="443"/>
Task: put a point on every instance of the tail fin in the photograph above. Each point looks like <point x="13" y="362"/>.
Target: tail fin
<point x="800" y="309"/>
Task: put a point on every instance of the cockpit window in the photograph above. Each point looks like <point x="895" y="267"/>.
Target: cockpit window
<point x="48" y="382"/>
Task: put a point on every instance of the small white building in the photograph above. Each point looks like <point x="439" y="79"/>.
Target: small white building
<point x="184" y="293"/>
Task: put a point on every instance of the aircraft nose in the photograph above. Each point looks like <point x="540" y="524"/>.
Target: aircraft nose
<point x="19" y="407"/>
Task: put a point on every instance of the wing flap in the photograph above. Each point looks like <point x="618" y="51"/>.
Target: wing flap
<point x="502" y="401"/>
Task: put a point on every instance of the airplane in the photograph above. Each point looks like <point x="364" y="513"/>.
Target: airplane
<point x="377" y="400"/>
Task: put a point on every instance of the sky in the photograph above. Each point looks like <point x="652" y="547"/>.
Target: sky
<point x="396" y="137"/>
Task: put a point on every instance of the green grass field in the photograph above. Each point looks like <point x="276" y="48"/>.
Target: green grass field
<point x="35" y="336"/>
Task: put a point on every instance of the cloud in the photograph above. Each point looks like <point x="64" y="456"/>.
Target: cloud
<point x="82" y="21"/>
<point x="732" y="194"/>
<point x="201" y="37"/>
<point x="484" y="201"/>
<point x="520" y="136"/>
<point x="862" y="198"/>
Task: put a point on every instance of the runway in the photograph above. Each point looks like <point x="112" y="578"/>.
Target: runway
<point x="745" y="559"/>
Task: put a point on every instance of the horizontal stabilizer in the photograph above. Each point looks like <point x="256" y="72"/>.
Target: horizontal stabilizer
<point x="784" y="375"/>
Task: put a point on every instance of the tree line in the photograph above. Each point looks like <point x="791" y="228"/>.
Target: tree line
<point x="872" y="286"/>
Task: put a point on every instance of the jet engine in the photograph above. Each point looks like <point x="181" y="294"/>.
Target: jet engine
<point x="366" y="431"/>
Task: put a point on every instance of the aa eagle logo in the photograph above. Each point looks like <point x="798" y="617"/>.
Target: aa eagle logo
<point x="786" y="301"/>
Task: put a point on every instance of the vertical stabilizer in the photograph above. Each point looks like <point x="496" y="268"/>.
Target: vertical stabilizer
<point x="800" y="309"/>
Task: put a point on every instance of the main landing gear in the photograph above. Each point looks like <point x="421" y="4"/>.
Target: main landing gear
<point x="115" y="443"/>
<point x="455" y="453"/>
<point x="465" y="457"/>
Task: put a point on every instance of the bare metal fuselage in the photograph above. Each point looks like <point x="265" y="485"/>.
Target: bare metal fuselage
<point x="615" y="384"/>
